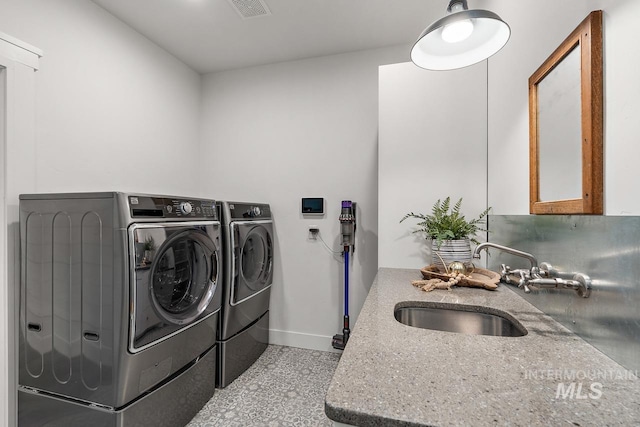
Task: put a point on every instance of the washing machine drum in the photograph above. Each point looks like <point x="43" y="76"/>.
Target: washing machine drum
<point x="175" y="285"/>
<point x="181" y="278"/>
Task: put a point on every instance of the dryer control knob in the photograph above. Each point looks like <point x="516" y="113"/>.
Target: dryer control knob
<point x="255" y="211"/>
<point x="186" y="208"/>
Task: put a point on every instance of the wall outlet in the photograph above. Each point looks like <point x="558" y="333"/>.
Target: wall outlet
<point x="314" y="230"/>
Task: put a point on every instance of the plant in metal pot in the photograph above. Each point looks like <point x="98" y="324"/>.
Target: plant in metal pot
<point x="449" y="231"/>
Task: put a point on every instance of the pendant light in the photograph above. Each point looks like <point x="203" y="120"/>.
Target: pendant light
<point x="462" y="38"/>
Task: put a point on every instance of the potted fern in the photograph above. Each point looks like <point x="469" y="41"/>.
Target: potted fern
<point x="449" y="231"/>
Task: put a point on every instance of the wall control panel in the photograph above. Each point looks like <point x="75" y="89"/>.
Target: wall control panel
<point x="312" y="206"/>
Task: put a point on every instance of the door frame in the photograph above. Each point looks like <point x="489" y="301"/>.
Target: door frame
<point x="18" y="62"/>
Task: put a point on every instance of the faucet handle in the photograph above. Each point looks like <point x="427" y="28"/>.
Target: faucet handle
<point x="505" y="270"/>
<point x="523" y="281"/>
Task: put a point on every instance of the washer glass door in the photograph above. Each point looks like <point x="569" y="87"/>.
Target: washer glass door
<point x="175" y="283"/>
<point x="254" y="259"/>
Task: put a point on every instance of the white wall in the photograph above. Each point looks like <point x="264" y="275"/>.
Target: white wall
<point x="307" y="128"/>
<point x="114" y="111"/>
<point x="433" y="145"/>
<point x="538" y="27"/>
<point x="111" y="111"/>
<point x="622" y="107"/>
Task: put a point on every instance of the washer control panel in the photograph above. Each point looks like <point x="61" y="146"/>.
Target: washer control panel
<point x="171" y="207"/>
<point x="249" y="210"/>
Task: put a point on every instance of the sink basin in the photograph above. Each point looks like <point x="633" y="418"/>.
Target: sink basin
<point x="463" y="319"/>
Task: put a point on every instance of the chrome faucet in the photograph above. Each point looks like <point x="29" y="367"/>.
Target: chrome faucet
<point x="534" y="262"/>
<point x="543" y="276"/>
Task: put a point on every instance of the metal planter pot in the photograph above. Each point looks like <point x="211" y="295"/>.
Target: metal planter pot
<point x="450" y="251"/>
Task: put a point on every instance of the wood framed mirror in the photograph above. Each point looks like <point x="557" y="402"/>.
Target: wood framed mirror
<point x="566" y="125"/>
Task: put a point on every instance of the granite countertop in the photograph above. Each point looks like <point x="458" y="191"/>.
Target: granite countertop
<point x="396" y="375"/>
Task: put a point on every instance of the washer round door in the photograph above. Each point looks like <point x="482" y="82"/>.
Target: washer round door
<point x="183" y="277"/>
<point x="175" y="284"/>
<point x="253" y="260"/>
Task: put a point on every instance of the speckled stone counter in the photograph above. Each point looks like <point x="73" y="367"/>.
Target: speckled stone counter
<point x="391" y="374"/>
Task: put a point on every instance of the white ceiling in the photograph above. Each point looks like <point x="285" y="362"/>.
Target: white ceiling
<point x="209" y="35"/>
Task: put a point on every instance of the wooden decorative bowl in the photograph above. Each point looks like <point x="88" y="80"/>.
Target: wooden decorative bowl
<point x="479" y="278"/>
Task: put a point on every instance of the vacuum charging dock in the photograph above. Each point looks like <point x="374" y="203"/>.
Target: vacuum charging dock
<point x="339" y="341"/>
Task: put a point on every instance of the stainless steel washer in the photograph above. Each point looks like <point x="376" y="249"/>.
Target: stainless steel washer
<point x="243" y="333"/>
<point x="119" y="299"/>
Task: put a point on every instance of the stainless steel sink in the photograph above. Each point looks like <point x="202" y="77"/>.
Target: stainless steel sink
<point x="462" y="319"/>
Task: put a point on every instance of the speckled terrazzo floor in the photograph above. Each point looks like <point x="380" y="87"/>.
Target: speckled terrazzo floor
<point x="286" y="386"/>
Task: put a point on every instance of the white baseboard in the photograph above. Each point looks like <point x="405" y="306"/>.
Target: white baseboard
<point x="301" y="340"/>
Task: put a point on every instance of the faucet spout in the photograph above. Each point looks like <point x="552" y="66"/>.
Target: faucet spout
<point x="486" y="245"/>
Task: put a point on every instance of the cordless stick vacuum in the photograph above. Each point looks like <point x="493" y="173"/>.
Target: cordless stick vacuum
<point x="348" y="228"/>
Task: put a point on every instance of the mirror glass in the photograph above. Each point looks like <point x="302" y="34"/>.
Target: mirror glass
<point x="559" y="140"/>
<point x="566" y="124"/>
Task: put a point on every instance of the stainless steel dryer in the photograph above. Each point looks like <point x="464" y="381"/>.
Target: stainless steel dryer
<point x="243" y="333"/>
<point x="119" y="300"/>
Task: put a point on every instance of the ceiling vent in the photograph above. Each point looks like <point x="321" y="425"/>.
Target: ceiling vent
<point x="250" y="8"/>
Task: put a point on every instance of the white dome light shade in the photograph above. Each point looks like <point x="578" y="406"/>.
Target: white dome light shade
<point x="435" y="49"/>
